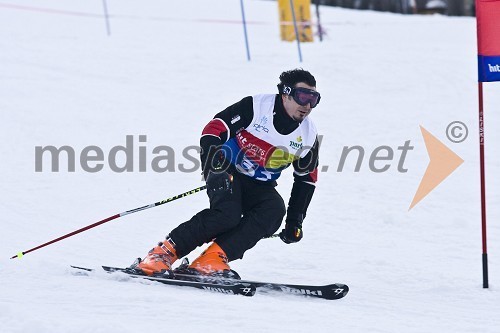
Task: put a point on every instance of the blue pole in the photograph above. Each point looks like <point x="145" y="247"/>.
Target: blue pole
<point x="296" y="30"/>
<point x="106" y="16"/>
<point x="245" y="29"/>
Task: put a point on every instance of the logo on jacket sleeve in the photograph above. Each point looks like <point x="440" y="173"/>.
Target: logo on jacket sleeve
<point x="235" y="119"/>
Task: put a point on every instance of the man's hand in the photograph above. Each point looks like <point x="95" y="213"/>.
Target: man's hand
<point x="293" y="230"/>
<point x="219" y="184"/>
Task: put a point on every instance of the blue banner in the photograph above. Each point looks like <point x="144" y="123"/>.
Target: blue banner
<point x="489" y="68"/>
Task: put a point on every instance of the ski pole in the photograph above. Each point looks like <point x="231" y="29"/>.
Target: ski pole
<point x="159" y="203"/>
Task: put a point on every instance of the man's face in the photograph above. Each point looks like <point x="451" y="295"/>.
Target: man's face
<point x="295" y="111"/>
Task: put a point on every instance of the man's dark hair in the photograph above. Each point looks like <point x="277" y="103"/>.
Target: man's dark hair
<point x="292" y="77"/>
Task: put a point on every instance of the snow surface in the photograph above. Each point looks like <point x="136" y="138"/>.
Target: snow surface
<point x="166" y="69"/>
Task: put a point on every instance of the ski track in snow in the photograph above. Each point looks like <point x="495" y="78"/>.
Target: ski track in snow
<point x="164" y="72"/>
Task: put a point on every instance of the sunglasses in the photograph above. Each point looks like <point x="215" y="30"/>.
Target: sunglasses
<point x="303" y="96"/>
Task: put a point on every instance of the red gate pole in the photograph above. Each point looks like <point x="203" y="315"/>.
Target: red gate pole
<point x="483" y="189"/>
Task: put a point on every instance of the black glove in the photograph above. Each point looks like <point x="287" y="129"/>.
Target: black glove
<point x="219" y="184"/>
<point x="293" y="230"/>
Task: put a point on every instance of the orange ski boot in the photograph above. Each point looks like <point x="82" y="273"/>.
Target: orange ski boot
<point x="213" y="262"/>
<point x="159" y="260"/>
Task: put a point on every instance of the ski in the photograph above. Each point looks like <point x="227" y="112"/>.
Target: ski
<point x="329" y="292"/>
<point x="236" y="288"/>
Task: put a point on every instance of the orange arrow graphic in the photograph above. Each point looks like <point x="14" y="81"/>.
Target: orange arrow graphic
<point x="442" y="163"/>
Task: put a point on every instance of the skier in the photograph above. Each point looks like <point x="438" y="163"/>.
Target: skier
<point x="244" y="149"/>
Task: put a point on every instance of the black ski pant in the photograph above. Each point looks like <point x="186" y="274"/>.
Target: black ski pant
<point x="236" y="221"/>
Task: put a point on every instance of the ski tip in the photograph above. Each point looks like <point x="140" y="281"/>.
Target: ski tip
<point x="339" y="290"/>
<point x="82" y="268"/>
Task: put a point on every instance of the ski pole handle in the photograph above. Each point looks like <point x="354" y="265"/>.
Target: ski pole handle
<point x="156" y="204"/>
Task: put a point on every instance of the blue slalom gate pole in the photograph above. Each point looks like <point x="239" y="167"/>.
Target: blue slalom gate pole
<point x="296" y="30"/>
<point x="245" y="28"/>
<point x="106" y="17"/>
